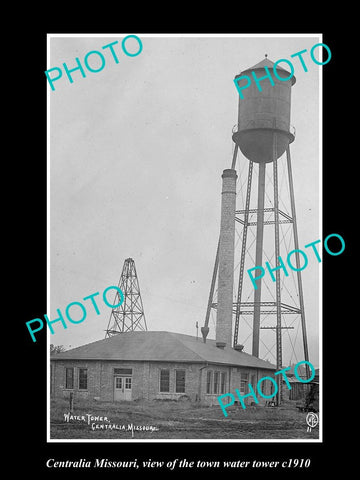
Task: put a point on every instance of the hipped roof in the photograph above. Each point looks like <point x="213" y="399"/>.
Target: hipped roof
<point x="161" y="346"/>
<point x="270" y="65"/>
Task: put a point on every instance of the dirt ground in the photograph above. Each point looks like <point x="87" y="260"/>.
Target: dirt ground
<point x="175" y="420"/>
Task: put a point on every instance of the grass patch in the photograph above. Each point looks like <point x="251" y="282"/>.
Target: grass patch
<point x="175" y="420"/>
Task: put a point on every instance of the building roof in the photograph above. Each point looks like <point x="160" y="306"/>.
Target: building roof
<point x="161" y="347"/>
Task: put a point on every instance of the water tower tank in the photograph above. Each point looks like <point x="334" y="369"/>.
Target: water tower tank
<point x="263" y="113"/>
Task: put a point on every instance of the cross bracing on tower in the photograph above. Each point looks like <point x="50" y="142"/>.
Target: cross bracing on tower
<point x="266" y="318"/>
<point x="127" y="315"/>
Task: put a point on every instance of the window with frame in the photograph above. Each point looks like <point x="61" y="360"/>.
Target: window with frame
<point x="267" y="387"/>
<point x="180" y="381"/>
<point x="69" y="377"/>
<point x="244" y="380"/>
<point x="216" y="382"/>
<point x="164" y="381"/>
<point x="209" y="381"/>
<point x="222" y="382"/>
<point x="83" y="378"/>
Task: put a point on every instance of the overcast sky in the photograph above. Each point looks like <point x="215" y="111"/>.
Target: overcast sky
<point x="136" y="156"/>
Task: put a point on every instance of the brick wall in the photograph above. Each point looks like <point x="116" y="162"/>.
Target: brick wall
<point x="191" y="380"/>
<point x="211" y="398"/>
<point x="146" y="380"/>
<point x="233" y="382"/>
<point x="59" y="379"/>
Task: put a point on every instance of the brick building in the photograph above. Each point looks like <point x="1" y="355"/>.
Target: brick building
<point x="164" y="365"/>
<point x="155" y="365"/>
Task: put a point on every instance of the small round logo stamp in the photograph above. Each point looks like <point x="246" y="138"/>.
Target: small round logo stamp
<point x="312" y="420"/>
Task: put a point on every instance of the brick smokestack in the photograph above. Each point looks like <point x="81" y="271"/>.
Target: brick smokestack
<point x="226" y="260"/>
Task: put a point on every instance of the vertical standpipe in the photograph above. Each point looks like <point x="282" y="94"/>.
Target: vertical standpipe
<point x="226" y="259"/>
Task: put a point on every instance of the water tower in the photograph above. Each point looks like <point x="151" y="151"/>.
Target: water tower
<point x="263" y="135"/>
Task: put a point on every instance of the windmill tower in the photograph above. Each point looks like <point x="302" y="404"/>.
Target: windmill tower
<point x="128" y="316"/>
<point x="267" y="220"/>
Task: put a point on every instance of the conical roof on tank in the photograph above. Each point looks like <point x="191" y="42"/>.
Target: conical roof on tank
<point x="264" y="110"/>
<point x="267" y="63"/>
